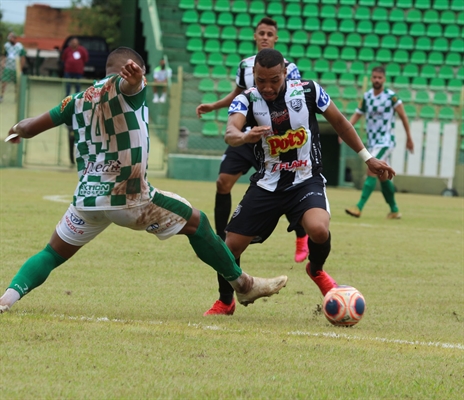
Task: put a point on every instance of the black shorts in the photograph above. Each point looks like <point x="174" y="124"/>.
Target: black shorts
<point x="260" y="210"/>
<point x="239" y="159"/>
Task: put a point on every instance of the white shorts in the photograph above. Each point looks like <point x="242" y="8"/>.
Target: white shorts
<point x="164" y="216"/>
<point x="382" y="153"/>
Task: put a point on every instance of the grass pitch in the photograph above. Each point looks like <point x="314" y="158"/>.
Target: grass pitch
<point x="123" y="318"/>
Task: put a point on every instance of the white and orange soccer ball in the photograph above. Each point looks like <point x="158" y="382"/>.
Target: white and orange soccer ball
<point x="344" y="306"/>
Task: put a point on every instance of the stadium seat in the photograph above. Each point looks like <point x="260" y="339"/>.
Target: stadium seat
<point x="428" y="71"/>
<point x="451" y="31"/>
<point x="364" y="27"/>
<point x="424" y="43"/>
<point x="293" y="10"/>
<point x="225" y="19"/>
<point x="330" y="25"/>
<point x="275" y="8"/>
<point x="284" y="36"/>
<point x="446" y="114"/>
<point x="206" y="85"/>
<point x="417" y="29"/>
<point x="410" y="111"/>
<point x="242" y="20"/>
<point x="422" y="4"/>
<point x="404" y="4"/>
<point x="399" y="29"/>
<point x="211" y="116"/>
<point x="431" y="17"/>
<point x="331" y="53"/>
<point x="437" y="84"/>
<point x="211" y="32"/>
<point x="389" y="42"/>
<point x="456" y="100"/>
<point x="400" y="82"/>
<point x="321" y="65"/>
<point x="222" y="6"/>
<point x="223" y="115"/>
<point x="333" y="91"/>
<point x="418" y="57"/>
<point x="294" y="23"/>
<point x="229" y="33"/>
<point x="201" y="71"/>
<point x="396" y="15"/>
<point x="310" y="10"/>
<point x="336" y="39"/>
<point x="440" y="99"/>
<point x="413" y="15"/>
<point x="239" y="6"/>
<point x="380" y="14"/>
<point x="357" y="68"/>
<point x="372" y="40"/>
<point x="186" y="4"/>
<point x="215" y="59"/>
<point x="347" y="79"/>
<point x="401" y="56"/>
<point x="366" y="54"/>
<point x="350" y="93"/>
<point x="298" y="37"/>
<point x="447" y="17"/>
<point x="454" y="85"/>
<point x="446" y="72"/>
<point x="411" y="70"/>
<point x="348" y="54"/>
<point x="440" y="44"/>
<point x="312" y="24"/>
<point x="382" y="28"/>
<point x="224" y="86"/>
<point x="427" y="112"/>
<point x="280" y="21"/>
<point x="305" y="66"/>
<point x="338" y="66"/>
<point x="194" y="31"/>
<point x="296" y="51"/>
<point x="453" y="59"/>
<point x="353" y="39"/>
<point x="208" y="18"/>
<point x="393" y="69"/>
<point x="457" y="45"/>
<point x="194" y="44"/>
<point x="386" y="3"/>
<point x="347" y="2"/>
<point x="350" y="107"/>
<point x="209" y="98"/>
<point x="257" y="7"/>
<point x="441" y="5"/>
<point x="418" y="83"/>
<point x="190" y="17"/>
<point x="457" y="5"/>
<point x="318" y="38"/>
<point x="246" y="49"/>
<point x="210" y="128"/>
<point x="328" y="78"/>
<point x="219" y="72"/>
<point x="198" y="57"/>
<point x="282" y="47"/>
<point x="345" y="12"/>
<point x="313" y="52"/>
<point x="245" y="33"/>
<point x="460" y="18"/>
<point x="212" y="46"/>
<point x="347" y="26"/>
<point x="232" y="60"/>
<point x="435" y="58"/>
<point x="327" y="11"/>
<point x="362" y="13"/>
<point x="205" y="5"/>
<point x="383" y="56"/>
<point x="460" y="73"/>
<point x="434" y="30"/>
<point x="405" y="95"/>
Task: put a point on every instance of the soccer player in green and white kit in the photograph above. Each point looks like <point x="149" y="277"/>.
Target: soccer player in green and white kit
<point x="379" y="105"/>
<point x="110" y="122"/>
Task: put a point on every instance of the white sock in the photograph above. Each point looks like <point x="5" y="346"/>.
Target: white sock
<point x="10" y="297"/>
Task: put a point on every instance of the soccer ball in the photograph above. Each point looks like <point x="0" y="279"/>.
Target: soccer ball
<point x="344" y="306"/>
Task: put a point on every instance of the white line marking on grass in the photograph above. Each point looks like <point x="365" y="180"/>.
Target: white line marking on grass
<point x="60" y="198"/>
<point x="378" y="339"/>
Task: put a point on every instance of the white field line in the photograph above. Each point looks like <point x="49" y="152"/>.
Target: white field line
<point x="60" y="198"/>
<point x="327" y="335"/>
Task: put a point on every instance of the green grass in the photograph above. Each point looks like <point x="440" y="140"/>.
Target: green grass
<point x="123" y="318"/>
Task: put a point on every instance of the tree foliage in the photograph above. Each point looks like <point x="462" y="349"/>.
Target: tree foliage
<point x="98" y="18"/>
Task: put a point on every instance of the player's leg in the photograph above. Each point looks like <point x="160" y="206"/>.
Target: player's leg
<point x="388" y="189"/>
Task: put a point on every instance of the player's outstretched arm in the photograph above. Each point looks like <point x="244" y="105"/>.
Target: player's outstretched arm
<point x="132" y="74"/>
<point x="234" y="135"/>
<point x="30" y="127"/>
<point x="222" y="103"/>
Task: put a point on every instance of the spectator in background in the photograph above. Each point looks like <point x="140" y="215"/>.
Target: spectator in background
<point x="161" y="76"/>
<point x="12" y="50"/>
<point x="74" y="58"/>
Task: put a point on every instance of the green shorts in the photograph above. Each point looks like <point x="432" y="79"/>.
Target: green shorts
<point x="9" y="75"/>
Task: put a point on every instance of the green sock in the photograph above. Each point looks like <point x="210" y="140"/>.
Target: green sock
<point x="212" y="250"/>
<point x="35" y="270"/>
<point x="368" y="188"/>
<point x="388" y="191"/>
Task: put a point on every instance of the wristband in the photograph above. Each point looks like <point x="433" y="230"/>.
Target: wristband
<point x="14" y="128"/>
<point x="364" y="154"/>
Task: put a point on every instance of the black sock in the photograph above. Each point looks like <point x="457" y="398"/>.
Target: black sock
<point x="222" y="209"/>
<point x="300" y="232"/>
<point x="318" y="253"/>
<point x="226" y="291"/>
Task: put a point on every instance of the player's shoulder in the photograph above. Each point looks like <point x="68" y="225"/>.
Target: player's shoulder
<point x="248" y="61"/>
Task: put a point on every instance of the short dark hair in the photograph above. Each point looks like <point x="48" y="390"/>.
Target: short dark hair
<point x="379" y="69"/>
<point x="122" y="54"/>
<point x="269" y="58"/>
<point x="267" y="21"/>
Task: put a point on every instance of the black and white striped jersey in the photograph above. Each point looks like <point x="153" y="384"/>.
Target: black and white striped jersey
<point x="291" y="153"/>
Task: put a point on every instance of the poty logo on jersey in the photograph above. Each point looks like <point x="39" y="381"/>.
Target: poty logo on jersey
<point x="237" y="106"/>
<point x="112" y="167"/>
<point x="95" y="189"/>
<point x="323" y="99"/>
<point x="293" y="139"/>
<point x="287" y="166"/>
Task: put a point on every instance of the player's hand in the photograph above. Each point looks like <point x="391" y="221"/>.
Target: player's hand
<point x="13" y="136"/>
<point x="256" y="133"/>
<point x="132" y="73"/>
<point x="380" y="168"/>
<point x="204" y="109"/>
<point x="410" y="145"/>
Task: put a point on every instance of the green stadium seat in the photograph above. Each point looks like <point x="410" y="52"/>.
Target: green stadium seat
<point x="372" y="40"/>
<point x="328" y="78"/>
<point x="209" y="98"/>
<point x="305" y="65"/>
<point x="396" y="15"/>
<point x="422" y="97"/>
<point x="257" y="7"/>
<point x="327" y="11"/>
<point x="211" y="116"/>
<point x="366" y="54"/>
<point x="206" y="85"/>
<point x="239" y="6"/>
<point x="232" y="61"/>
<point x="207" y="18"/>
<point x="383" y="56"/>
<point x="350" y="93"/>
<point x="411" y="70"/>
<point x="454" y="85"/>
<point x="382" y="28"/>
<point x="413" y="15"/>
<point x="313" y="52"/>
<point x="440" y="99"/>
<point x="339" y="67"/>
<point x="330" y="25"/>
<point x="393" y="69"/>
<point x="457" y="5"/>
<point x="223" y="115"/>
<point x="437" y="84"/>
<point x="242" y="20"/>
<point x="201" y="71"/>
<point x="293" y="10"/>
<point x="347" y="79"/>
<point x="386" y="3"/>
<point x="410" y="111"/>
<point x="333" y="91"/>
<point x="336" y="39"/>
<point x="225" y="19"/>
<point x="347" y="26"/>
<point x="399" y="29"/>
<point x="312" y="24"/>
<point x="321" y="66"/>
<point x="451" y="31"/>
<point x="404" y="3"/>
<point x="229" y="33"/>
<point x="460" y="18"/>
<point x="405" y="95"/>
<point x="371" y="66"/>
<point x="350" y="107"/>
<point x="298" y="37"/>
<point x="190" y="17"/>
<point x="295" y="23"/>
<point x="436" y="58"/>
<point x="446" y="72"/>
<point x="418" y="57"/>
<point x="424" y="43"/>
<point x="431" y="17"/>
<point x="224" y="86"/>
<point x="194" y="31"/>
<point x="215" y="59"/>
<point x="363" y="80"/>
<point x="353" y="39"/>
<point x="401" y="56"/>
<point x="186" y="4"/>
<point x="219" y="72"/>
<point x="446" y="114"/>
<point x="245" y="33"/>
<point x="258" y="17"/>
<point x="318" y="38"/>
<point x="440" y="44"/>
<point x="457" y="45"/>
<point x="211" y="32"/>
<point x="348" y="54"/>
<point x="347" y="2"/>
<point x="331" y="53"/>
<point x="362" y="13"/>
<point x="456" y="100"/>
<point x="401" y="82"/>
<point x="247" y="49"/>
<point x="310" y="10"/>
<point x="210" y="128"/>
<point x="389" y="42"/>
<point x="198" y="57"/>
<point x="418" y="83"/>
<point x="357" y="68"/>
<point x="275" y="8"/>
<point x="205" y="5"/>
<point x="284" y="36"/>
<point x="460" y="73"/>
<point x="229" y="46"/>
<point x="380" y="14"/>
<point x="441" y="5"/>
<point x="194" y="44"/>
<point x="296" y="51"/>
<point x="282" y="47"/>
<point x="447" y="17"/>
<point x="280" y="21"/>
<point x="417" y="29"/>
<point x="345" y="12"/>
<point x="222" y="6"/>
<point x="212" y="46"/>
<point x="434" y="30"/>
<point x="364" y="27"/>
<point x="368" y="3"/>
<point x="428" y="71"/>
<point x="453" y="59"/>
<point x="427" y="112"/>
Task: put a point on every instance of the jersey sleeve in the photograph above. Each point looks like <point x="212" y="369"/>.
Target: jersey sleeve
<point x="396" y="101"/>
<point x="63" y="112"/>
<point x="240" y="104"/>
<point x="293" y="73"/>
<point x="240" y="75"/>
<point x="134" y="100"/>
<point x="361" y="109"/>
<point x="322" y="99"/>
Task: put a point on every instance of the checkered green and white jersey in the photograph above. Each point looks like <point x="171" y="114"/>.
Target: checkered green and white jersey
<point x="380" y="117"/>
<point x="111" y="132"/>
<point x="12" y="51"/>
